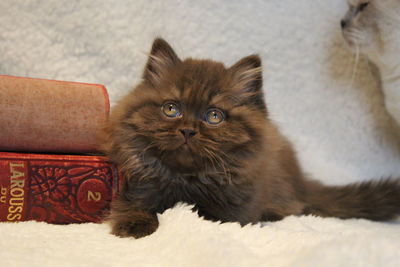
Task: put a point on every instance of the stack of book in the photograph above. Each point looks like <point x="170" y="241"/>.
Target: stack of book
<point x="48" y="168"/>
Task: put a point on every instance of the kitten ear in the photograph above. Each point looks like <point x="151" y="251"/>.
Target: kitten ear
<point x="247" y="74"/>
<point x="247" y="78"/>
<point x="162" y="57"/>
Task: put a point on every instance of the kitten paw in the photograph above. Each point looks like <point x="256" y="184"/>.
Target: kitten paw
<point x="136" y="229"/>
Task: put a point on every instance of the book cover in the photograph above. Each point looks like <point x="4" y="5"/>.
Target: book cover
<point x="56" y="189"/>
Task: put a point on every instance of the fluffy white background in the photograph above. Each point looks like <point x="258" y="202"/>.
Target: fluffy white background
<point x="335" y="119"/>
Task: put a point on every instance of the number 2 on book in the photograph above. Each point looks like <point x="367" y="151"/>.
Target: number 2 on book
<point x="94" y="196"/>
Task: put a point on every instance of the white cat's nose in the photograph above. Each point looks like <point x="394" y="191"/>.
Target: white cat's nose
<point x="343" y="23"/>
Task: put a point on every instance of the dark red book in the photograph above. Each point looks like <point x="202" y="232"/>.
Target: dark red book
<point x="55" y="188"/>
<point x="45" y="116"/>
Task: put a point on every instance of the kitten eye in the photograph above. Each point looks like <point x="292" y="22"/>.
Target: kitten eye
<point x="171" y="110"/>
<point x="214" y="116"/>
<point x="362" y="6"/>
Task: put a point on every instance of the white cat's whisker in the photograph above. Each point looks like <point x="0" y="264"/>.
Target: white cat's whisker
<point x="356" y="61"/>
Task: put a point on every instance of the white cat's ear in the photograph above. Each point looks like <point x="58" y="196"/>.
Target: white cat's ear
<point x="247" y="74"/>
<point x="161" y="58"/>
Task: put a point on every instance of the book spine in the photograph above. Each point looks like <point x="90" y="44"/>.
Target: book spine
<point x="55" y="191"/>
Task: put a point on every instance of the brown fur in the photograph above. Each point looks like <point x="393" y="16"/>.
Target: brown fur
<point x="242" y="170"/>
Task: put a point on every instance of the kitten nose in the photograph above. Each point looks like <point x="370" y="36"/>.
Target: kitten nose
<point x="187" y="133"/>
<point x="343" y="23"/>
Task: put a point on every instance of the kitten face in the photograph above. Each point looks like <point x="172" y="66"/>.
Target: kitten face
<point x="195" y="113"/>
<point x="371" y="26"/>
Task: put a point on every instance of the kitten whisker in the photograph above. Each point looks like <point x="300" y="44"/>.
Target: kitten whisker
<point x="211" y="158"/>
<point x="221" y="163"/>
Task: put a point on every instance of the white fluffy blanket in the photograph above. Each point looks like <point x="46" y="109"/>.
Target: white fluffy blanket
<point x="184" y="239"/>
<point x="333" y="114"/>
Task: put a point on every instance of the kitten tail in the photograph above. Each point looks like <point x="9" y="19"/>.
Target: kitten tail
<point x="373" y="200"/>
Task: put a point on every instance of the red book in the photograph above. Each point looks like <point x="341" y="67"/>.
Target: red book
<point x="45" y="116"/>
<point x="55" y="188"/>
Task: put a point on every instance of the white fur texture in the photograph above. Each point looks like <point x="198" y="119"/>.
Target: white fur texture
<point x="335" y="119"/>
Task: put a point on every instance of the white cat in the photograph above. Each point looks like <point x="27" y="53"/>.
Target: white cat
<point x="372" y="28"/>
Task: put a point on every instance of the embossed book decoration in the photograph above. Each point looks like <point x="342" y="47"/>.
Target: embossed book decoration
<point x="55" y="188"/>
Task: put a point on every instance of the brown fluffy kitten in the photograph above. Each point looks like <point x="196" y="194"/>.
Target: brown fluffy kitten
<point x="195" y="131"/>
